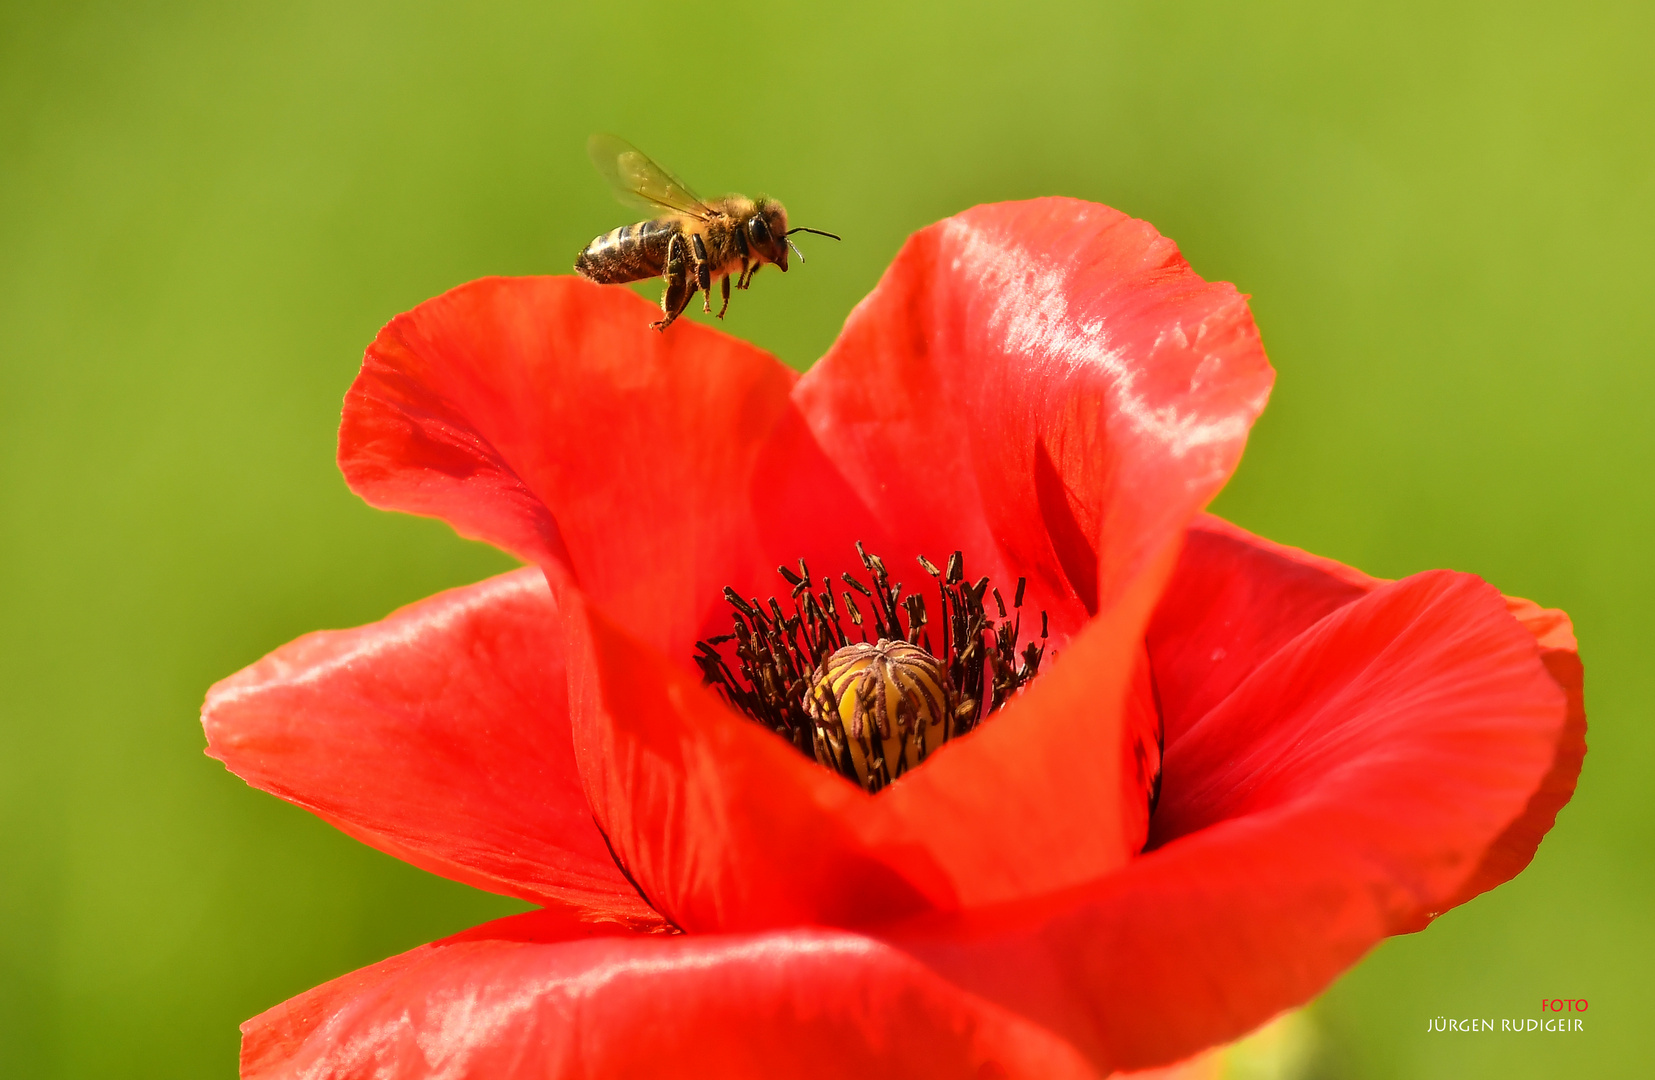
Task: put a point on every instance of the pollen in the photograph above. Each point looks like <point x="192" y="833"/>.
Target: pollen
<point x="873" y="699"/>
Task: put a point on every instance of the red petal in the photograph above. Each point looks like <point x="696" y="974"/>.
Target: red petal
<point x="1047" y="385"/>
<point x="725" y="826"/>
<point x="517" y="999"/>
<point x="1347" y="789"/>
<point x="1234" y="600"/>
<point x="1237" y="598"/>
<point x="440" y="736"/>
<point x="1517" y="845"/>
<point x="1142" y="737"/>
<point x="543" y="415"/>
<point x="1429" y="660"/>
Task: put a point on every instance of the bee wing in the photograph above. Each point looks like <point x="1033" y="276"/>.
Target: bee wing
<point x="638" y="181"/>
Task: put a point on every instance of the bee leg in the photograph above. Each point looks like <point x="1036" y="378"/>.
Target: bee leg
<point x="679" y="288"/>
<point x="726" y="288"/>
<point x="741" y="282"/>
<point x="703" y="274"/>
<point x="675" y="300"/>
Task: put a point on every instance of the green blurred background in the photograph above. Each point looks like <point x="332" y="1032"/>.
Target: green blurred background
<point x="1442" y="212"/>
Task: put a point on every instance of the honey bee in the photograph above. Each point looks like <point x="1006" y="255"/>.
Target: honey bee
<point x="693" y="245"/>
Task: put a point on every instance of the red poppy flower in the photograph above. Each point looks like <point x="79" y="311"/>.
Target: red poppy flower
<point x="1045" y="387"/>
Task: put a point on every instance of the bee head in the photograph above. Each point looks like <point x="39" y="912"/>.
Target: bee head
<point x="767" y="232"/>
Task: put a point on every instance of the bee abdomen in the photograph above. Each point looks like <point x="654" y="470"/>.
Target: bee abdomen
<point x="629" y="253"/>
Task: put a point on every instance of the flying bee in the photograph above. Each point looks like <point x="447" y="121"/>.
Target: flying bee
<point x="693" y="245"/>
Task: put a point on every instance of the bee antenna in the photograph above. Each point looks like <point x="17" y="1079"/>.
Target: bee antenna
<point x="795" y="248"/>
<point x="818" y="232"/>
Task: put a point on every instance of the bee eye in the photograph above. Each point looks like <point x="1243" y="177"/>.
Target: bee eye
<point x="760" y="231"/>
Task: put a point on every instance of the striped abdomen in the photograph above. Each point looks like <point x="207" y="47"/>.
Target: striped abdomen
<point x="629" y="253"/>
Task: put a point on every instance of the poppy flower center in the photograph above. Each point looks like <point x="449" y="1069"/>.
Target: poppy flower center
<point x="871" y="701"/>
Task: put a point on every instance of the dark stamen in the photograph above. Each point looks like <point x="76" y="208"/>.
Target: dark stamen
<point x="779" y="656"/>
